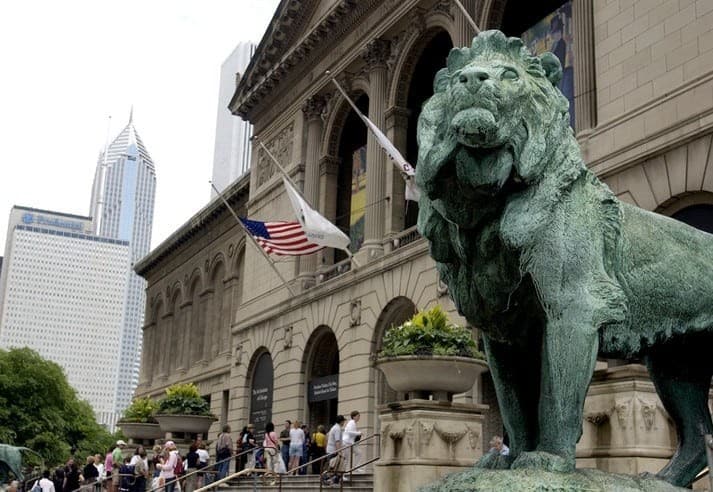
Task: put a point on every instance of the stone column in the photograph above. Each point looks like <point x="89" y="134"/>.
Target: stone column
<point x="585" y="94"/>
<point x="187" y="311"/>
<point x="312" y="109"/>
<point x="396" y="130"/>
<point x="328" y="173"/>
<point x="376" y="54"/>
<point x="146" y="373"/>
<point x="464" y="32"/>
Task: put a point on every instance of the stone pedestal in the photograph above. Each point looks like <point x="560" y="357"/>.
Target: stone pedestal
<point x="625" y="428"/>
<point x="423" y="440"/>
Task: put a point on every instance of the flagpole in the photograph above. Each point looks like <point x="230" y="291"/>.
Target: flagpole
<point x="284" y="173"/>
<point x="253" y="239"/>
<point x="467" y="17"/>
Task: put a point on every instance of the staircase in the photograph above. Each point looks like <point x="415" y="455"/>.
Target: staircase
<point x="360" y="482"/>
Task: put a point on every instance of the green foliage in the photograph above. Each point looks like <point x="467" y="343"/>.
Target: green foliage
<point x="429" y="333"/>
<point x="141" y="410"/>
<point x="41" y="411"/>
<point x="184" y="399"/>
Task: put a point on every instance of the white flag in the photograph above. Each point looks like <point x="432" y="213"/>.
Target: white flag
<point x="317" y="228"/>
<point x="412" y="191"/>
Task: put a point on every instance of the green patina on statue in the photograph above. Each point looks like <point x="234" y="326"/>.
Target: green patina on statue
<point x="554" y="269"/>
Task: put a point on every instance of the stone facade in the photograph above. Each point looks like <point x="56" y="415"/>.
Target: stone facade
<point x="643" y="100"/>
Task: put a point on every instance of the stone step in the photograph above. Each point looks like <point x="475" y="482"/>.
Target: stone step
<point x="359" y="483"/>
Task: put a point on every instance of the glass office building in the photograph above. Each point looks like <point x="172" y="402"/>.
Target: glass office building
<point x="63" y="294"/>
<point x="123" y="206"/>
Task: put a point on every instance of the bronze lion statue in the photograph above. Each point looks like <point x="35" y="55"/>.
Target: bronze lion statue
<point x="550" y="265"/>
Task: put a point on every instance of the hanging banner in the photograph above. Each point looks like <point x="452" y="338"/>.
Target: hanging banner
<point x="358" y="203"/>
<point x="261" y="395"/>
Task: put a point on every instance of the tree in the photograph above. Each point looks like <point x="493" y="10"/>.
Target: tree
<point x="41" y="411"/>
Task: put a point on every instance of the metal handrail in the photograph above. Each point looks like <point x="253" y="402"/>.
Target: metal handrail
<point x="234" y="475"/>
<point x="350" y="447"/>
<point x="205" y="468"/>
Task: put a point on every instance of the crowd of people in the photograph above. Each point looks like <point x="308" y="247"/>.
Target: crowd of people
<point x="294" y="450"/>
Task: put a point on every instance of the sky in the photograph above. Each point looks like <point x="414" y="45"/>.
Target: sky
<point x="68" y="66"/>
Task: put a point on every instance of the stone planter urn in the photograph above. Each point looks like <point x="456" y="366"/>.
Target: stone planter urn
<point x="195" y="424"/>
<point x="440" y="375"/>
<point x="139" y="431"/>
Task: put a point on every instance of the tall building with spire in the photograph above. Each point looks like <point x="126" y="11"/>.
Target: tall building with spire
<point x="123" y="205"/>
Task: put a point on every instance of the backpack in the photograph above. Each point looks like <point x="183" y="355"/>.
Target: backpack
<point x="36" y="487"/>
<point x="178" y="469"/>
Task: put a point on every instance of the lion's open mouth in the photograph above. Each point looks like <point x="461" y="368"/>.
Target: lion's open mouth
<point x="475" y="127"/>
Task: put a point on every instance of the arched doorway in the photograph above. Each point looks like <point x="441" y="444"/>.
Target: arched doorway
<point x="261" y="391"/>
<point x="396" y="312"/>
<point x="432" y="58"/>
<point x="322" y="376"/>
<point x="698" y="216"/>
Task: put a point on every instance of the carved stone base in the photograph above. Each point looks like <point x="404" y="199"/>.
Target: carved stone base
<point x="625" y="428"/>
<point x="422" y="441"/>
<point x="525" y="480"/>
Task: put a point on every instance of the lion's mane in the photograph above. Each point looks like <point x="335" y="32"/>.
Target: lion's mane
<point x="485" y="258"/>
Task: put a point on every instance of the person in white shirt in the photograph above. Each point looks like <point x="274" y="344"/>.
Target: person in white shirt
<point x="297" y="441"/>
<point x="334" y="437"/>
<point x="350" y="436"/>
<point x="45" y="483"/>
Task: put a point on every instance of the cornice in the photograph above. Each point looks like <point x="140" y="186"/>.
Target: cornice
<point x="264" y="74"/>
<point x="235" y="194"/>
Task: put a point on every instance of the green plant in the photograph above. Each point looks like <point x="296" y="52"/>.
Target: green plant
<point x="141" y="410"/>
<point x="184" y="399"/>
<point x="429" y="333"/>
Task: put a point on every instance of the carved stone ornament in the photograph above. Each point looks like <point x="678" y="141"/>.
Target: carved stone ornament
<point x="288" y="337"/>
<point x="409" y="436"/>
<point x="426" y="433"/>
<point x="281" y="147"/>
<point x="377" y="52"/>
<point x="231" y="250"/>
<point x="451" y="438"/>
<point x="314" y="106"/>
<point x="355" y="313"/>
<point x="623" y="412"/>
<point x="473" y="437"/>
<point x="597" y="418"/>
<point x="238" y="356"/>
<point x="444" y="7"/>
<point x="648" y="413"/>
<point x="384" y="432"/>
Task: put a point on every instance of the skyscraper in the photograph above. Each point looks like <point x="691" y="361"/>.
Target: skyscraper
<point x="231" y="158"/>
<point x="123" y="205"/>
<point x="62" y="293"/>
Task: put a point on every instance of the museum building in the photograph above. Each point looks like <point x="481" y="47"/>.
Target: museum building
<point x="639" y="79"/>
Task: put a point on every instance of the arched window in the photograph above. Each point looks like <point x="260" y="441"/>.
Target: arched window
<point x="431" y="60"/>
<point x="351" y="178"/>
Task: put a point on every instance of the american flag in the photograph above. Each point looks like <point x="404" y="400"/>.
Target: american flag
<point x="280" y="238"/>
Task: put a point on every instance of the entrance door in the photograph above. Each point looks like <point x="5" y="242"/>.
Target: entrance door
<point x="322" y="380"/>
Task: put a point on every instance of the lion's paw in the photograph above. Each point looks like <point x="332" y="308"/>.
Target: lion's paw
<point x="540" y="460"/>
<point x="494" y="461"/>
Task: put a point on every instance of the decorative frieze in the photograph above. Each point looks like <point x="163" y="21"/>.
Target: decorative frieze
<point x="281" y="147"/>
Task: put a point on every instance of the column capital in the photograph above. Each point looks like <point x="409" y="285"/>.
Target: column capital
<point x="313" y="107"/>
<point x="328" y="165"/>
<point x="377" y="53"/>
<point x="397" y="116"/>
